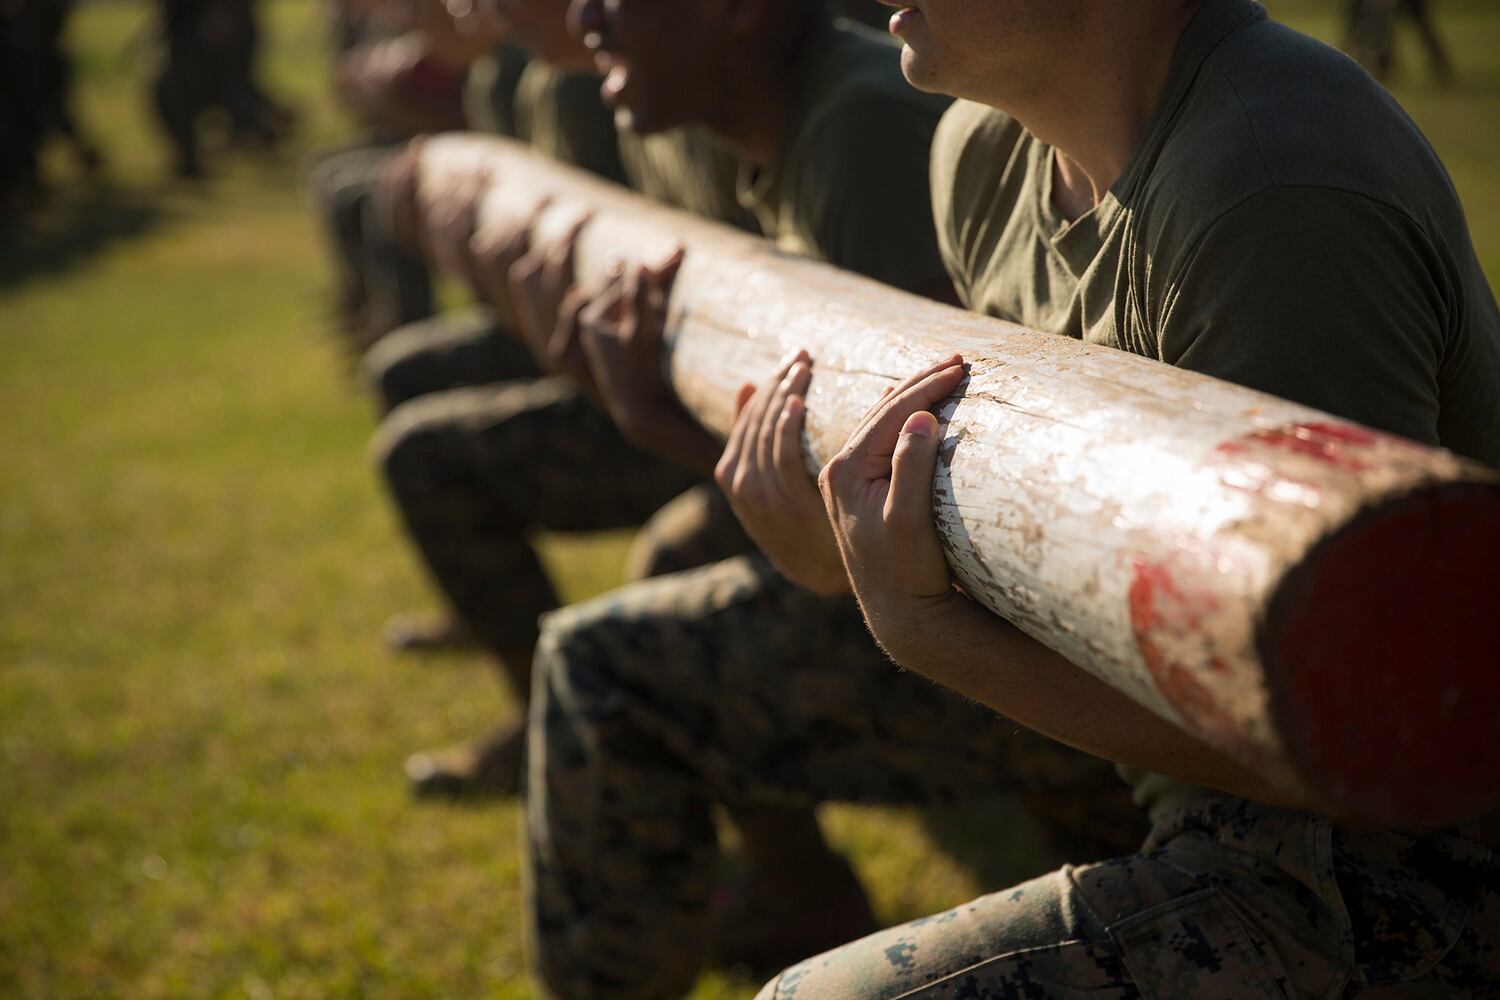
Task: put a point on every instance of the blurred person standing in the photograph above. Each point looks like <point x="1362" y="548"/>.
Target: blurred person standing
<point x="36" y="75"/>
<point x="1370" y="35"/>
<point x="55" y="84"/>
<point x="183" y="78"/>
<point x="254" y="116"/>
<point x="20" y="103"/>
<point x="206" y="60"/>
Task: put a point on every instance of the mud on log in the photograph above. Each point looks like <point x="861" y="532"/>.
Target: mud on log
<point x="1307" y="594"/>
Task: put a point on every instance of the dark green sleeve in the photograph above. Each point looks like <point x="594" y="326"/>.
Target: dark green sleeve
<point x="1321" y="297"/>
<point x="689" y="169"/>
<point x="586" y="135"/>
<point x="562" y="116"/>
<point x="863" y="195"/>
<point x="971" y="151"/>
<point x="490" y="91"/>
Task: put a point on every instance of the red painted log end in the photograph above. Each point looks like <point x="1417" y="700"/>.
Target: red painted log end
<point x="1383" y="651"/>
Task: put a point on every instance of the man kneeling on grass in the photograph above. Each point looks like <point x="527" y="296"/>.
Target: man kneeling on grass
<point x="1185" y="180"/>
<point x="1188" y="181"/>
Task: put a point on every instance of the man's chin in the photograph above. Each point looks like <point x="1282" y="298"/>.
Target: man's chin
<point x="919" y="70"/>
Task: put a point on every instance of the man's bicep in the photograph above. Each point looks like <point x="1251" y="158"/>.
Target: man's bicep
<point x="1322" y="297"/>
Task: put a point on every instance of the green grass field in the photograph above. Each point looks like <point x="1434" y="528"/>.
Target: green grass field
<point x="200" y="735"/>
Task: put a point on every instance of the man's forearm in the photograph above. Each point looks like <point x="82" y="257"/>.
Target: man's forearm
<point x="964" y="647"/>
<point x="676" y="437"/>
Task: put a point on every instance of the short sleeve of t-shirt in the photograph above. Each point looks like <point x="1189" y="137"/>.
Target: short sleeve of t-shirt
<point x="1323" y="297"/>
<point x="970" y="150"/>
<point x="689" y="169"/>
<point x="862" y="193"/>
<point x="562" y="115"/>
<point x="490" y="91"/>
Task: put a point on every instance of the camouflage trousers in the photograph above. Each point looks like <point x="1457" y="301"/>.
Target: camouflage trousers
<point x="456" y="349"/>
<point x="476" y="472"/>
<point x="729" y="684"/>
<point x="1228" y="900"/>
<point x="380" y="283"/>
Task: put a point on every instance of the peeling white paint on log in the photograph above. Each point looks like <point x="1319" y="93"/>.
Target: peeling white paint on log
<point x="1136" y="517"/>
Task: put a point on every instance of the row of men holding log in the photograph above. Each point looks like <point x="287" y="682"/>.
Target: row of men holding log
<point x="1180" y="179"/>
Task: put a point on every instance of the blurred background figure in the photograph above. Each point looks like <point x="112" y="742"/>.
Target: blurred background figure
<point x="20" y="126"/>
<point x="1370" y="35"/>
<point x="401" y="68"/>
<point x="208" y="62"/>
<point x="36" y="81"/>
<point x="55" y="87"/>
<point x="395" y="74"/>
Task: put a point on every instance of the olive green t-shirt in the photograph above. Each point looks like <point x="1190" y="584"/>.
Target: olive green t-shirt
<point x="1282" y="225"/>
<point x="850" y="185"/>
<point x="562" y="115"/>
<point x="490" y="90"/>
<point x="689" y="169"/>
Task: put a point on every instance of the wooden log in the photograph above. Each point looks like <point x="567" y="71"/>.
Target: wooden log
<point x="1307" y="594"/>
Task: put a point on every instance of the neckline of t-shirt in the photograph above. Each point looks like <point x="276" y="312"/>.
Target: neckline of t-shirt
<point x="757" y="188"/>
<point x="1078" y="241"/>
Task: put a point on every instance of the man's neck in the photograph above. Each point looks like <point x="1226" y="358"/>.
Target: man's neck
<point x="751" y="119"/>
<point x="1095" y="109"/>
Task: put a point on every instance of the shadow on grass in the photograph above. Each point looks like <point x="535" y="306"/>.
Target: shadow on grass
<point x="993" y="838"/>
<point x="1009" y="839"/>
<point x="74" y="227"/>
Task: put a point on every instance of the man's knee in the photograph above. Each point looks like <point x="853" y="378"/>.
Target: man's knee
<point x="414" y="445"/>
<point x="694" y="529"/>
<point x="577" y="653"/>
<point x="391" y="368"/>
<point x="595" y="660"/>
<point x="453" y="350"/>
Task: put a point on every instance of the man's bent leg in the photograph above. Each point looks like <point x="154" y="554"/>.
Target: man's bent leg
<point x="475" y="472"/>
<point x="457" y="349"/>
<point x="1227" y="898"/>
<point x="694" y="529"/>
<point x="722" y="684"/>
<point x="1033" y="940"/>
<point x="1137" y="927"/>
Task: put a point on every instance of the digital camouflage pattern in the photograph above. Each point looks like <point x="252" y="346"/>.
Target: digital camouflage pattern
<point x="694" y="529"/>
<point x="728" y="683"/>
<point x="476" y="471"/>
<point x="1228" y="900"/>
<point x="452" y="350"/>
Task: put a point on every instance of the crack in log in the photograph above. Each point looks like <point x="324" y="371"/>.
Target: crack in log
<point x="982" y="394"/>
<point x="870" y="373"/>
